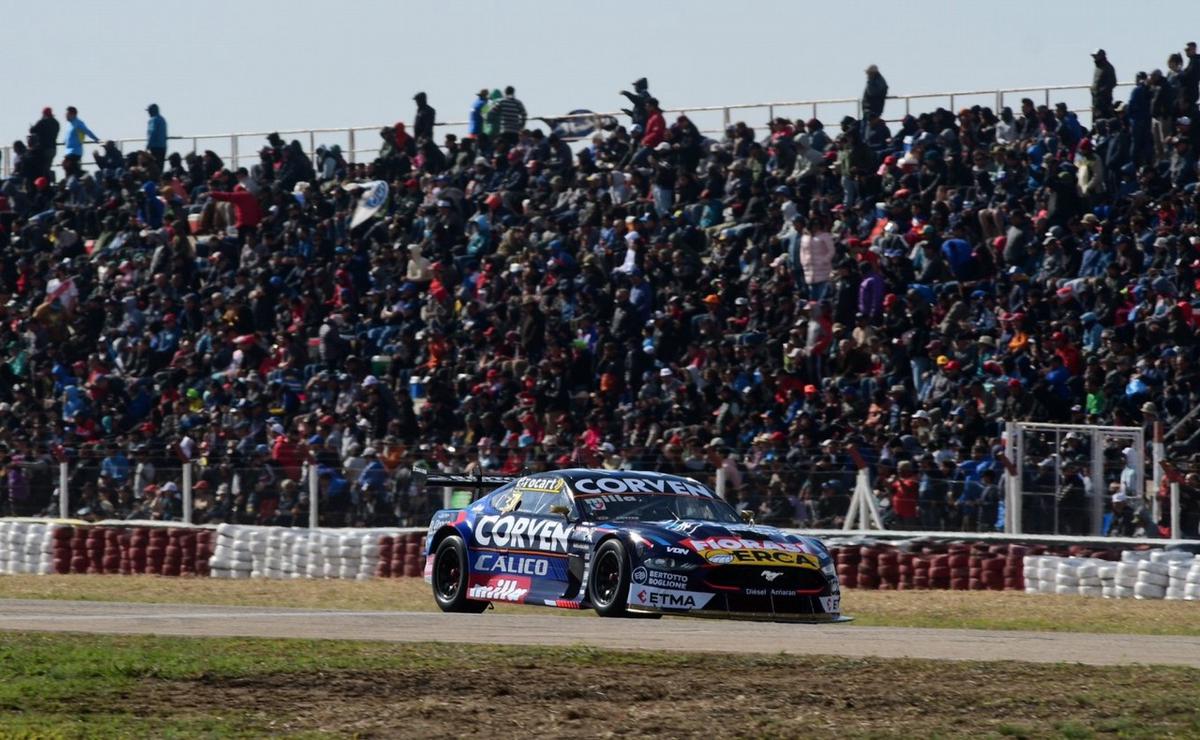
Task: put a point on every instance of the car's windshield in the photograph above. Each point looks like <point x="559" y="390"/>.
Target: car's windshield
<point x="653" y="507"/>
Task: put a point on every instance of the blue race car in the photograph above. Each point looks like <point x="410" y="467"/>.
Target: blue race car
<point x="622" y="543"/>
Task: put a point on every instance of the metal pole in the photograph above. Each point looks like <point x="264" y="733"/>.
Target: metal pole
<point x="314" y="494"/>
<point x="447" y="495"/>
<point x="233" y="151"/>
<point x="720" y="484"/>
<point x="1176" y="526"/>
<point x="64" y="500"/>
<point x="1157" y="455"/>
<point x="187" y="493"/>
<point x="1099" y="489"/>
<point x="351" y="141"/>
<point x="312" y="148"/>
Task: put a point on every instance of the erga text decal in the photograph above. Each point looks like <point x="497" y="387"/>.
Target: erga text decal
<point x="779" y="558"/>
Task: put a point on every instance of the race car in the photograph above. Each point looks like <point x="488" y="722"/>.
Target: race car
<point x="623" y="543"/>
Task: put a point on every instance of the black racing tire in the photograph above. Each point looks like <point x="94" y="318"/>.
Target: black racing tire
<point x="608" y="585"/>
<point x="450" y="578"/>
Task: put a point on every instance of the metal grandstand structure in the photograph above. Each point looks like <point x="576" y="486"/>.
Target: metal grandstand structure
<point x="359" y="143"/>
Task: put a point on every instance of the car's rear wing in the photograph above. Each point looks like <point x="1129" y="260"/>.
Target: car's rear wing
<point x="422" y="477"/>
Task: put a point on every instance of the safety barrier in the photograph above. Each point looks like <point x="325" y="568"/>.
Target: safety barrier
<point x="359" y="143"/>
<point x="277" y="552"/>
<point x="1160" y="574"/>
<point x="46" y="548"/>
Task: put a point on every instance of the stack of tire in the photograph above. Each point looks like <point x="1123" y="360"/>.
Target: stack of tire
<point x="62" y="549"/>
<point x="846" y="561"/>
<point x="387" y="545"/>
<point x="27" y="547"/>
<point x="1185" y="579"/>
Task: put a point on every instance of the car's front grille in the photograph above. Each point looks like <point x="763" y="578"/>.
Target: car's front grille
<point x="766" y="579"/>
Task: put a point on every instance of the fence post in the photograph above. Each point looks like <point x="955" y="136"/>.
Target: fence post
<point x="187" y="493"/>
<point x="233" y="152"/>
<point x="314" y="494"/>
<point x="351" y="142"/>
<point x="1176" y="527"/>
<point x="720" y="483"/>
<point x="312" y="148"/>
<point x="64" y="500"/>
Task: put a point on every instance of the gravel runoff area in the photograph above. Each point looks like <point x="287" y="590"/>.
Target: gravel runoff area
<point x="548" y="629"/>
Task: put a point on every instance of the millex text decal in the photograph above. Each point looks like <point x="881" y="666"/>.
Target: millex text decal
<point x="503" y="588"/>
<point x="522" y="533"/>
<point x="639" y="485"/>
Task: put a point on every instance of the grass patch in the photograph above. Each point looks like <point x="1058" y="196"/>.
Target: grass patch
<point x="999" y="610"/>
<point x="86" y="686"/>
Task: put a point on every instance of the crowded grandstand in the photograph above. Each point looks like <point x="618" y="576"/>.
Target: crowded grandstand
<point x="779" y="302"/>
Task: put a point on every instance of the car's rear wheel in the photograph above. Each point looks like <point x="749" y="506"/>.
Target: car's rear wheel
<point x="450" y="578"/>
<point x="608" y="587"/>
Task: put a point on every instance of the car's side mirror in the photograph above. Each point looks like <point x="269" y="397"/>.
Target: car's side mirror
<point x="748" y="516"/>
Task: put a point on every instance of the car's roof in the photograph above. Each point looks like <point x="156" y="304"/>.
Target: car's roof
<point x="574" y="476"/>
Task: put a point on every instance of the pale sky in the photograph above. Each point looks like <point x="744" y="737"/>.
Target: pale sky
<point x="216" y="66"/>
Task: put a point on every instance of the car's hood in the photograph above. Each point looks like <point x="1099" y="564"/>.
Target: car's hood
<point x="698" y="535"/>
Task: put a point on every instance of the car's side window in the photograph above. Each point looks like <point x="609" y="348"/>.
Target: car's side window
<point x="539" y="502"/>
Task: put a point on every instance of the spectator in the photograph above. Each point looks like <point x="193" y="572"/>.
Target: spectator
<point x="77" y="134"/>
<point x="1104" y="81"/>
<point x="156" y="135"/>
<point x="510" y="117"/>
<point x="874" y="94"/>
<point x="424" y="119"/>
<point x="43" y="144"/>
<point x="638" y="99"/>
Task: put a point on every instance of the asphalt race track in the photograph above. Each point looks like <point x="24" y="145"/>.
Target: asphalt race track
<point x="550" y="629"/>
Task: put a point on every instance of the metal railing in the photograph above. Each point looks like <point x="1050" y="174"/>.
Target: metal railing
<point x="357" y="142"/>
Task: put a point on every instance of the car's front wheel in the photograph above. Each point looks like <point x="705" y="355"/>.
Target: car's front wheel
<point x="450" y="578"/>
<point x="608" y="587"/>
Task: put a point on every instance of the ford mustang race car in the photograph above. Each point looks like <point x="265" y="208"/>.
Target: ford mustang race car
<point x="621" y="543"/>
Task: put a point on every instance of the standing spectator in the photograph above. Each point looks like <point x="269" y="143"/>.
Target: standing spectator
<point x="44" y="144"/>
<point x="475" y="119"/>
<point x="1190" y="78"/>
<point x="638" y="99"/>
<point x="874" y="94"/>
<point x="1162" y="109"/>
<point x="423" y="122"/>
<point x="1138" y="113"/>
<point x="156" y="135"/>
<point x="1104" y="79"/>
<point x="510" y="113"/>
<point x="76" y="135"/>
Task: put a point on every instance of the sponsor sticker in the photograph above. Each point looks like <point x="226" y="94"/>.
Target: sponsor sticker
<point x="769" y="591"/>
<point x="776" y="558"/>
<point x="660" y="598"/>
<point x="660" y="578"/>
<point x="518" y="565"/>
<point x="522" y="532"/>
<point x="677" y="550"/>
<point x="743" y="543"/>
<point x="679" y="487"/>
<point x="831" y="604"/>
<point x="498" y="588"/>
<point x="538" y="484"/>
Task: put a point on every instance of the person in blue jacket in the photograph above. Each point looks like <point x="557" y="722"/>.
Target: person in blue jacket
<point x="156" y="135"/>
<point x="76" y="134"/>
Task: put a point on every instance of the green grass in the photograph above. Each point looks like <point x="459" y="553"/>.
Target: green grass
<point x="64" y="685"/>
